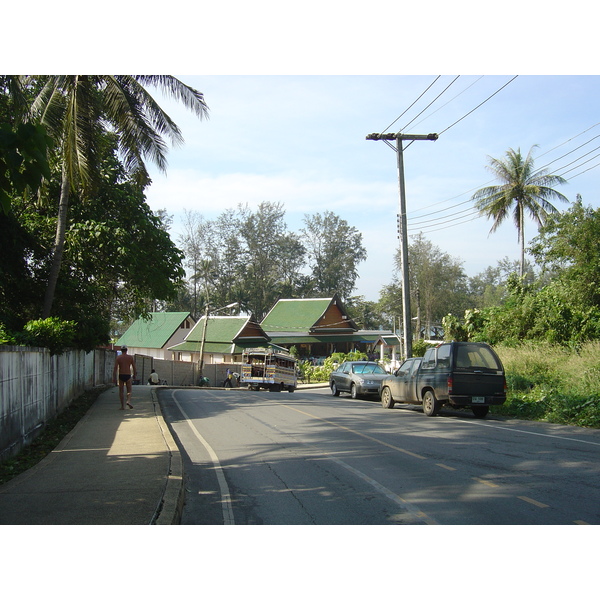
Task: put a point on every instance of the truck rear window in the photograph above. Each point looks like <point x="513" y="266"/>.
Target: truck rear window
<point x="471" y="356"/>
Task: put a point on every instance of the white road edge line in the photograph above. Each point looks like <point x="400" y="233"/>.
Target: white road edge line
<point x="225" y="493"/>
<point x="556" y="437"/>
<point x="412" y="509"/>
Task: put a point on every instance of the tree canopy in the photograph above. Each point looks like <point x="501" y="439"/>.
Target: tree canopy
<point x="522" y="190"/>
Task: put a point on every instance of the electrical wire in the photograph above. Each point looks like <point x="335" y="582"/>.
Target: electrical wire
<point x="451" y="99"/>
<point x="478" y="106"/>
<point x="417" y="216"/>
<point x="443" y="217"/>
<point x="422" y="94"/>
<point x="434" y="100"/>
<point x="454" y="225"/>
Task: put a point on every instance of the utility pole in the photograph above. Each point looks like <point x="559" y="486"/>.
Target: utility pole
<point x="399" y="137"/>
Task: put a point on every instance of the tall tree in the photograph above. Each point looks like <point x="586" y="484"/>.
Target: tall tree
<point x="522" y="190"/>
<point x="334" y="250"/>
<point x="75" y="108"/>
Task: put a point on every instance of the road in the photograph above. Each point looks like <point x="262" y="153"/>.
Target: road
<point x="310" y="458"/>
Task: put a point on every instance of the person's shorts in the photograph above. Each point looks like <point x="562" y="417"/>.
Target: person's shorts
<point x="124" y="377"/>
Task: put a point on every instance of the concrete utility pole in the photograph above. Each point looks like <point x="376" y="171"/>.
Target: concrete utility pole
<point x="399" y="137"/>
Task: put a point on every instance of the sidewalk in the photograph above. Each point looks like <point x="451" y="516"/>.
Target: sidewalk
<point x="116" y="467"/>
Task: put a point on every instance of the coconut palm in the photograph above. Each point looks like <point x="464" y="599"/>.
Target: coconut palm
<point x="74" y="108"/>
<point x="522" y="190"/>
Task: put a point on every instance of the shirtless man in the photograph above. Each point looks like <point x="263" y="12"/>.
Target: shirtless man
<point x="123" y="365"/>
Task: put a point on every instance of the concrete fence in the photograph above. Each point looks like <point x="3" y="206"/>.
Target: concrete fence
<point x="35" y="387"/>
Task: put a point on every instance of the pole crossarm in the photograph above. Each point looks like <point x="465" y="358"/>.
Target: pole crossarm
<point x="402" y="136"/>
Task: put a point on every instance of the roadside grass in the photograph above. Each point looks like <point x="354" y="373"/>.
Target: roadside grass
<point x="52" y="435"/>
<point x="552" y="384"/>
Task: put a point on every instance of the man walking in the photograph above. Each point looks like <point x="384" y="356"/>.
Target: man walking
<point x="124" y="364"/>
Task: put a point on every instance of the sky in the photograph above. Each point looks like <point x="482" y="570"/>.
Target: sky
<point x="293" y="93"/>
<point x="300" y="140"/>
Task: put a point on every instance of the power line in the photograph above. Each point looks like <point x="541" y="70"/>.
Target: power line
<point x="479" y="105"/>
<point x="582" y="172"/>
<point x="422" y="94"/>
<point x="453" y="225"/>
<point x="434" y="100"/>
<point x="451" y="99"/>
<point x="444" y="217"/>
<point x="492" y="181"/>
<point x="583" y="163"/>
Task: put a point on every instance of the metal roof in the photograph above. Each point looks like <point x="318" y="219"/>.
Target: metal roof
<point x="155" y="331"/>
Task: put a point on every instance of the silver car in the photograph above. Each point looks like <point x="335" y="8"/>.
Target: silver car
<point x="359" y="378"/>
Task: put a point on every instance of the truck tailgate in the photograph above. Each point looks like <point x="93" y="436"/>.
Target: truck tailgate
<point x="476" y="383"/>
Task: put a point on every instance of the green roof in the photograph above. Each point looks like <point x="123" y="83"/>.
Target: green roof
<point x="218" y="329"/>
<point x="153" y="332"/>
<point x="295" y="315"/>
<point x="222" y="335"/>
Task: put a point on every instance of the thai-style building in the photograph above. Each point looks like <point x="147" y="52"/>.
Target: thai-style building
<point x="317" y="327"/>
<point x="152" y="336"/>
<point x="224" y="340"/>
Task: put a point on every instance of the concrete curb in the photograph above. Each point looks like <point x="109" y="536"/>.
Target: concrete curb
<point x="171" y="506"/>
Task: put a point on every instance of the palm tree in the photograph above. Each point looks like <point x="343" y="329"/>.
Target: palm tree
<point x="522" y="190"/>
<point x="74" y="108"/>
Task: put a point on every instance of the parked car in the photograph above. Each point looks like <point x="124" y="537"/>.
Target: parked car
<point x="460" y="374"/>
<point x="359" y="378"/>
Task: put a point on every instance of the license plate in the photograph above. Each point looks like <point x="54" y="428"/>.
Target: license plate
<point x="478" y="399"/>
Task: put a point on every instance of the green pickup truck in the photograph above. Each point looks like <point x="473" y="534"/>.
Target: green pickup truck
<point x="460" y="374"/>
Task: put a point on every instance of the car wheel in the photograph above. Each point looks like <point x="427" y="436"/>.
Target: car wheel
<point x="431" y="406"/>
<point x="386" y="398"/>
<point x="334" y="390"/>
<point x="480" y="411"/>
<point x="353" y="392"/>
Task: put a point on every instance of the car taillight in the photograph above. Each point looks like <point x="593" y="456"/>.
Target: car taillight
<point x="505" y="385"/>
<point x="450" y="384"/>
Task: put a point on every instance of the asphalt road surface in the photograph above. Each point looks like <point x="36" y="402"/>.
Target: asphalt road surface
<point x="310" y="458"/>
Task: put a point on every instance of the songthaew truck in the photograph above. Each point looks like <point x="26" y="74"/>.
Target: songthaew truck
<point x="268" y="368"/>
<point x="459" y="374"/>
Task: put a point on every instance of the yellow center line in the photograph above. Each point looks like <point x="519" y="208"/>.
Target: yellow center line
<point x="485" y="482"/>
<point x="368" y="437"/>
<point x="532" y="501"/>
<point x="445" y="467"/>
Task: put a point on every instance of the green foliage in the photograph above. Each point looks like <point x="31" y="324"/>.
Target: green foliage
<point x="23" y="160"/>
<point x="552" y="383"/>
<point x="334" y="249"/>
<point x="243" y="256"/>
<point x="419" y="347"/>
<point x="320" y="373"/>
<point x="5" y="336"/>
<point x="51" y="333"/>
<point x="117" y="257"/>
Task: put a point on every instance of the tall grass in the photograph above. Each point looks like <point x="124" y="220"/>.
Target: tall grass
<point x="552" y="383"/>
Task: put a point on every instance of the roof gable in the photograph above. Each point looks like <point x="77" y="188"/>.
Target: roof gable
<point x="155" y="331"/>
<point x="308" y="315"/>
<point x="226" y="329"/>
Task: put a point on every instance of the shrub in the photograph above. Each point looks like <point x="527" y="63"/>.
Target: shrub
<point x="51" y="333"/>
<point x="553" y="383"/>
